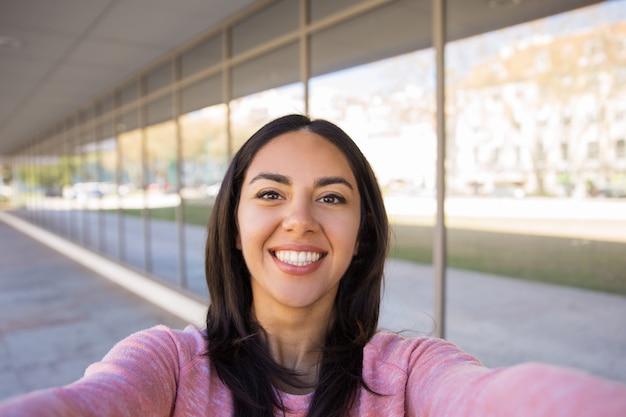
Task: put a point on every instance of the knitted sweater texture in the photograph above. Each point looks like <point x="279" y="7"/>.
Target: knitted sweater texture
<point x="164" y="372"/>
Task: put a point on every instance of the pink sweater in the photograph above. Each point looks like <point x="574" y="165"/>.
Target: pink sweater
<point x="162" y="372"/>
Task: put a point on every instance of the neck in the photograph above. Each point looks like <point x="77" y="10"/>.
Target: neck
<point x="296" y="339"/>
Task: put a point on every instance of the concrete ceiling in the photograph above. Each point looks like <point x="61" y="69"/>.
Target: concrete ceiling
<point x="73" y="50"/>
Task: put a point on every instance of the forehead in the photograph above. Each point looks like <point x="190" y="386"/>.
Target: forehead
<point x="301" y="153"/>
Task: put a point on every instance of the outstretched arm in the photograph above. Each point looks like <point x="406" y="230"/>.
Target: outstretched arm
<point x="446" y="382"/>
<point x="137" y="377"/>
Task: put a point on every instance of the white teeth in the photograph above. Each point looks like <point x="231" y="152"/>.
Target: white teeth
<point x="297" y="258"/>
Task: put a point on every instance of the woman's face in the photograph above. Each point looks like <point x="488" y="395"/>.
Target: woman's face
<point x="298" y="220"/>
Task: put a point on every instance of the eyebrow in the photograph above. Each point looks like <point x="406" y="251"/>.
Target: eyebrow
<point x="272" y="177"/>
<point x="319" y="182"/>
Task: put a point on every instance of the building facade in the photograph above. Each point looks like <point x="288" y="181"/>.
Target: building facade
<point x="535" y="144"/>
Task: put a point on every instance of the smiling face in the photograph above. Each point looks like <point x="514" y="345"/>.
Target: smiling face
<point x="298" y="219"/>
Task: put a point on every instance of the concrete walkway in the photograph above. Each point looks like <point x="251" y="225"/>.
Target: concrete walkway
<point x="57" y="316"/>
<point x="504" y="321"/>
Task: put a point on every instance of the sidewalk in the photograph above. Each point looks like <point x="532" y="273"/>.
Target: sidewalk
<point x="504" y="321"/>
<point x="56" y="317"/>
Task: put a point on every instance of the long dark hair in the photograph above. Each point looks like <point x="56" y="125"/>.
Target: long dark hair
<point x="237" y="350"/>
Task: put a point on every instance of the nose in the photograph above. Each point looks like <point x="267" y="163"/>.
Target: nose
<point x="300" y="217"/>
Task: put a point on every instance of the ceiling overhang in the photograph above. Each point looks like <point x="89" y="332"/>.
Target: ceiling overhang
<point x="59" y="55"/>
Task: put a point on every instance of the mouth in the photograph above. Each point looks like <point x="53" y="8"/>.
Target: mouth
<point x="297" y="258"/>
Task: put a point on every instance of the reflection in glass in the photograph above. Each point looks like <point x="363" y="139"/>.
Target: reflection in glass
<point x="73" y="190"/>
<point x="131" y="194"/>
<point x="204" y="162"/>
<point x="51" y="181"/>
<point x="71" y="168"/>
<point x="324" y="8"/>
<point x="159" y="78"/>
<point x="536" y="151"/>
<point x="249" y="113"/>
<point x="383" y="32"/>
<point x="201" y="56"/>
<point x="391" y="120"/>
<point x="110" y="200"/>
<point x="531" y="115"/>
<point x="279" y="18"/>
<point x="277" y="68"/>
<point x="162" y="199"/>
<point x="87" y="190"/>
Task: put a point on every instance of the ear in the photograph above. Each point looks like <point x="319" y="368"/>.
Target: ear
<point x="356" y="249"/>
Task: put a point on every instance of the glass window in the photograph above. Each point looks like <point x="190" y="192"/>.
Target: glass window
<point x="85" y="116"/>
<point x="202" y="56"/>
<point x="159" y="110"/>
<point x="159" y="78"/>
<point x="34" y="179"/>
<point x="593" y="150"/>
<point x="86" y="187"/>
<point x="131" y="165"/>
<point x="50" y="180"/>
<point x="128" y="121"/>
<point x="69" y="190"/>
<point x="205" y="150"/>
<point x="277" y="68"/>
<point x="107" y="104"/>
<point x="280" y="18"/>
<point x="537" y="217"/>
<point x="162" y="199"/>
<point x="620" y="148"/>
<point x="132" y="201"/>
<point x="109" y="203"/>
<point x="129" y="93"/>
<point x="204" y="163"/>
<point x="324" y="8"/>
<point x="249" y="113"/>
<point x="388" y="108"/>
<point x="72" y="168"/>
<point x="202" y="94"/>
<point x="564" y="151"/>
<point x="384" y="32"/>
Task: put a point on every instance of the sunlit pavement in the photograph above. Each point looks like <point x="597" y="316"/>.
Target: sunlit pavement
<point x="504" y="321"/>
<point x="57" y="316"/>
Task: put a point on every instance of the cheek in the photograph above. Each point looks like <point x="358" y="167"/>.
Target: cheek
<point x="346" y="232"/>
<point x="253" y="227"/>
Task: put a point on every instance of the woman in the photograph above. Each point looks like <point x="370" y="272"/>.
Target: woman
<point x="294" y="262"/>
<point x="306" y="187"/>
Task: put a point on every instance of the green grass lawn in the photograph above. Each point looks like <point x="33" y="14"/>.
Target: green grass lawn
<point x="579" y="263"/>
<point x="193" y="214"/>
<point x="594" y="265"/>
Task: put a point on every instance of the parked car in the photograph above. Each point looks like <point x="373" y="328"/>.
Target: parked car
<point x="612" y="192"/>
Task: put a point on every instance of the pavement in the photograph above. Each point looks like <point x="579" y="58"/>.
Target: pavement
<point x="57" y="316"/>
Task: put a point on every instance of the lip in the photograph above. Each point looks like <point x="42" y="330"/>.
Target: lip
<point x="294" y="269"/>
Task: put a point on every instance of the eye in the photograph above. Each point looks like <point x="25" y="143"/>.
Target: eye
<point x="332" y="199"/>
<point x="268" y="195"/>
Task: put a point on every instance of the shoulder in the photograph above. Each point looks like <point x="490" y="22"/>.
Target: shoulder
<point x="402" y="351"/>
<point x="393" y="357"/>
<point x="160" y="344"/>
<point x="189" y="339"/>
